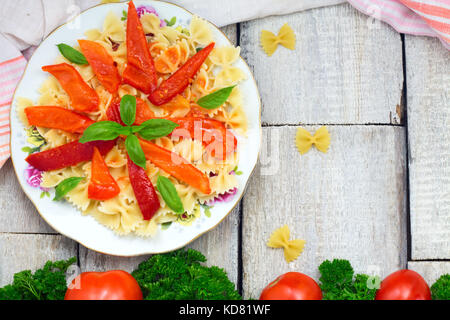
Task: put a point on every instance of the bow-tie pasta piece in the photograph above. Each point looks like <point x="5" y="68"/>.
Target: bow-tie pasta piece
<point x="304" y="140"/>
<point x="200" y="31"/>
<point x="225" y="56"/>
<point x="285" y="37"/>
<point x="280" y="239"/>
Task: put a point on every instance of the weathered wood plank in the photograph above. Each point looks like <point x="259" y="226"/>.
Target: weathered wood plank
<point x="30" y="252"/>
<point x="17" y="213"/>
<point x="430" y="270"/>
<point x="344" y="70"/>
<point x="428" y="80"/>
<point x="220" y="245"/>
<point x="348" y="203"/>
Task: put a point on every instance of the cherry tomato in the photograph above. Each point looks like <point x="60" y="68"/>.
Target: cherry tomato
<point x="111" y="285"/>
<point x="403" y="285"/>
<point x="292" y="286"/>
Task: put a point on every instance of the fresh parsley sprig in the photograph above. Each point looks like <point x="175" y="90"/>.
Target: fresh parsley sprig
<point x="110" y="130"/>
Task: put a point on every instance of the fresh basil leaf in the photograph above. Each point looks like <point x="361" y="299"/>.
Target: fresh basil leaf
<point x="66" y="186"/>
<point x="215" y="99"/>
<point x="128" y="109"/>
<point x="170" y="194"/>
<point x="171" y="22"/>
<point x="156" y="128"/>
<point x="103" y="130"/>
<point x="135" y="151"/>
<point x="125" y="131"/>
<point x="198" y="49"/>
<point x="71" y="54"/>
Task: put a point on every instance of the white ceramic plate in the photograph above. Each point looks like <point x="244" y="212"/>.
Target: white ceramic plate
<point x="64" y="217"/>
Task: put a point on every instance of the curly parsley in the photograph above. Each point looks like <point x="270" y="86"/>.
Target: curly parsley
<point x="338" y="282"/>
<point x="48" y="283"/>
<point x="180" y="276"/>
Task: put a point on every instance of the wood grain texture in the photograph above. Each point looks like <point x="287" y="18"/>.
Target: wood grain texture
<point x="220" y="245"/>
<point x="430" y="270"/>
<point x="30" y="252"/>
<point x="348" y="203"/>
<point x="428" y="79"/>
<point x="346" y="69"/>
<point x="17" y="213"/>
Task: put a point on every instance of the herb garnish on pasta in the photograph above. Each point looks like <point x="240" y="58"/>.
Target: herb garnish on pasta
<point x="147" y="127"/>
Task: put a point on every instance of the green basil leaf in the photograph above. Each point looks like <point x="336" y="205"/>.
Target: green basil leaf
<point x="215" y="99"/>
<point x="125" y="131"/>
<point x="135" y="151"/>
<point x="170" y="194"/>
<point x="156" y="128"/>
<point x="103" y="130"/>
<point x="128" y="109"/>
<point x="66" y="186"/>
<point x="71" y="54"/>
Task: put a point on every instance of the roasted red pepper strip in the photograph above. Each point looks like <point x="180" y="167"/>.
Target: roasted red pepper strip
<point x="102" y="185"/>
<point x="83" y="98"/>
<point x="219" y="141"/>
<point x="57" y="118"/>
<point x="102" y="64"/>
<point x="176" y="166"/>
<point x="143" y="112"/>
<point x="140" y="71"/>
<point x="143" y="190"/>
<point x="68" y="155"/>
<point x="181" y="79"/>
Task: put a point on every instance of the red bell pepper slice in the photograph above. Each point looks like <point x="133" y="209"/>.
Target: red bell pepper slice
<point x="102" y="64"/>
<point x="176" y="166"/>
<point x="57" y="118"/>
<point x="219" y="141"/>
<point x="67" y="155"/>
<point x="140" y="71"/>
<point x="102" y="185"/>
<point x="143" y="190"/>
<point x="143" y="112"/>
<point x="82" y="96"/>
<point x="181" y="79"/>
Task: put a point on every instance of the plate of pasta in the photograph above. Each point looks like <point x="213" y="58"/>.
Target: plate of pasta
<point x="135" y="128"/>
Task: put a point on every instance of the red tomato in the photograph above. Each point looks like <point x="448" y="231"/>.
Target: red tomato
<point x="292" y="286"/>
<point x="111" y="285"/>
<point x="403" y="285"/>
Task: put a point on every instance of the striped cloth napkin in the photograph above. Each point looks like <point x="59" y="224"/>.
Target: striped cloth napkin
<point x="417" y="17"/>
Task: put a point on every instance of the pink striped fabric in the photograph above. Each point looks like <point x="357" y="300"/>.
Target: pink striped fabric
<point x="417" y="17"/>
<point x="10" y="72"/>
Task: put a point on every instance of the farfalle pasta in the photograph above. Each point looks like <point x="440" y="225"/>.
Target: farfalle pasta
<point x="285" y="37"/>
<point x="304" y="140"/>
<point x="280" y="239"/>
<point x="170" y="48"/>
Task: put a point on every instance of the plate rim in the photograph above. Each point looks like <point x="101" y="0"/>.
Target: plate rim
<point x="199" y="234"/>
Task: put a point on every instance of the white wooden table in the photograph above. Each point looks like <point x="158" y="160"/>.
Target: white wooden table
<point x="380" y="197"/>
